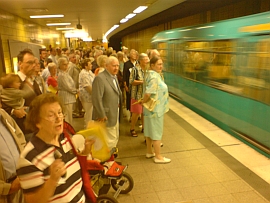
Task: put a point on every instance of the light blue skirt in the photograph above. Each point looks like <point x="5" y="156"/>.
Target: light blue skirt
<point x="153" y="127"/>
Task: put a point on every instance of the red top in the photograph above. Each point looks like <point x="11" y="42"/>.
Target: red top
<point x="52" y="81"/>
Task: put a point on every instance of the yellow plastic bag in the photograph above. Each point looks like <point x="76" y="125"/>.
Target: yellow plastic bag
<point x="96" y="131"/>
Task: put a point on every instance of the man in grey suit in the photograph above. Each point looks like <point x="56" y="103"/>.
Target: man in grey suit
<point x="106" y="98"/>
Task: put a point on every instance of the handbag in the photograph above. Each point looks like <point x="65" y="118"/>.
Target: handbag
<point x="150" y="104"/>
<point x="87" y="188"/>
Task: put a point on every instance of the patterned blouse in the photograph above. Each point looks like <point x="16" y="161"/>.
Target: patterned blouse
<point x="66" y="88"/>
<point x="85" y="79"/>
<point x="155" y="86"/>
<point x="136" y="90"/>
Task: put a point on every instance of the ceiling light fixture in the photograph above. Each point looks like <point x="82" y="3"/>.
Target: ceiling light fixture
<point x="140" y="9"/>
<point x="88" y="39"/>
<point x="65" y="28"/>
<point x="36" y="10"/>
<point x="56" y="24"/>
<point x="131" y="15"/>
<point x="110" y="30"/>
<point x="76" y="34"/>
<point x="124" y="20"/>
<point x="47" y="16"/>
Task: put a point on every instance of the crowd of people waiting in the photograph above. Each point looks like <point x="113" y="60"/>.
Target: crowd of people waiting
<point x="63" y="84"/>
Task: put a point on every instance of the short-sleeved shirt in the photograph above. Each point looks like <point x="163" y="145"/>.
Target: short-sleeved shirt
<point x="86" y="78"/>
<point x="158" y="90"/>
<point x="136" y="90"/>
<point x="33" y="170"/>
<point x="52" y="81"/>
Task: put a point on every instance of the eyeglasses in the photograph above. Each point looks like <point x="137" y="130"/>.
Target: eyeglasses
<point x="53" y="117"/>
<point x="30" y="62"/>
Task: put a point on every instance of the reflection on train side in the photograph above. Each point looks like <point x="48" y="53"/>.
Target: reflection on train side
<point x="241" y="67"/>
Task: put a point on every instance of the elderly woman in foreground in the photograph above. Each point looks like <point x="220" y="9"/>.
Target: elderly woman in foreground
<point x="48" y="169"/>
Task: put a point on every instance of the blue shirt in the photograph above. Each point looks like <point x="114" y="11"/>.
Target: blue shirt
<point x="8" y="151"/>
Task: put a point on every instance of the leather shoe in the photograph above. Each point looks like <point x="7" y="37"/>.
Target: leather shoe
<point x="163" y="161"/>
<point x="148" y="156"/>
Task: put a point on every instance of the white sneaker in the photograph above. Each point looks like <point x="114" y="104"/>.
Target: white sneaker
<point x="164" y="161"/>
<point x="148" y="156"/>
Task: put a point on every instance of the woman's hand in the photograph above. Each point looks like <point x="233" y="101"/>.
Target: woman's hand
<point x="57" y="169"/>
<point x="87" y="147"/>
<point x="15" y="186"/>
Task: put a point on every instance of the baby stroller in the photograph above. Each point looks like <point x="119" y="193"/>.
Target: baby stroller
<point x="104" y="171"/>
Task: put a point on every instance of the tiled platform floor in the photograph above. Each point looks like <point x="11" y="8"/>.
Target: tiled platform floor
<point x="206" y="164"/>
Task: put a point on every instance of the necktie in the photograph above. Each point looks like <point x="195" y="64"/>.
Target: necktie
<point x="36" y="88"/>
<point x="115" y="83"/>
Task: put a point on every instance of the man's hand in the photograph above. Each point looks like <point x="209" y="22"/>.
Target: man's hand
<point x="126" y="88"/>
<point x="20" y="113"/>
<point x="102" y="119"/>
<point x="15" y="186"/>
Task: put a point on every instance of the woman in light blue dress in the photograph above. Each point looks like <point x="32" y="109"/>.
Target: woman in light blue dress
<point x="153" y="120"/>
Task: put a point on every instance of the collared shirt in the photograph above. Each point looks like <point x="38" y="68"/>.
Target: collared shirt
<point x="22" y="76"/>
<point x="9" y="153"/>
<point x="114" y="78"/>
<point x="86" y="78"/>
<point x="66" y="88"/>
<point x="34" y="169"/>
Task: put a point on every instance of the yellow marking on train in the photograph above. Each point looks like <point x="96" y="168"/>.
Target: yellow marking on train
<point x="255" y="28"/>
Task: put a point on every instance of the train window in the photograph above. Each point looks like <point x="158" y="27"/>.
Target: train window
<point x="162" y="48"/>
<point x="252" y="68"/>
<point x="238" y="66"/>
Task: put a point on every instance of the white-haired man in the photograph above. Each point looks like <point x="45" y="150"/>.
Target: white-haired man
<point x="106" y="99"/>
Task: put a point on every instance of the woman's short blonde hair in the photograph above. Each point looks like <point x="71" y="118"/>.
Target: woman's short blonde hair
<point x="101" y="60"/>
<point x="51" y="66"/>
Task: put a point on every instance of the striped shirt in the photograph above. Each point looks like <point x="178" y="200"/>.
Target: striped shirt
<point x="66" y="88"/>
<point x="33" y="170"/>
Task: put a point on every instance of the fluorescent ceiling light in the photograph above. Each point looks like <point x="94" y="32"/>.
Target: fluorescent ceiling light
<point x="56" y="24"/>
<point x="104" y="40"/>
<point x="76" y="34"/>
<point x="140" y="9"/>
<point x="65" y="28"/>
<point x="36" y="10"/>
<point x="47" y="16"/>
<point x="124" y="20"/>
<point x="130" y="15"/>
<point x="88" y="39"/>
<point x="110" y="30"/>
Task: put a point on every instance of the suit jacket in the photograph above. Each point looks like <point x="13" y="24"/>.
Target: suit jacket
<point x="126" y="71"/>
<point x="19" y="139"/>
<point x="106" y="98"/>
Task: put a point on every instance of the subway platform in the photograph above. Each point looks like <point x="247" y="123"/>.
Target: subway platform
<point x="208" y="165"/>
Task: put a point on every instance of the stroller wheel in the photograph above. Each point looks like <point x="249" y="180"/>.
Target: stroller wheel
<point x="125" y="180"/>
<point x="106" y="199"/>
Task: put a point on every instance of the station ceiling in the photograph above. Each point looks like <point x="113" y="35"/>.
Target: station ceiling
<point x="96" y="16"/>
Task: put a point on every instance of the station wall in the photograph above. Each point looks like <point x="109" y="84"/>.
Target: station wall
<point x="15" y="28"/>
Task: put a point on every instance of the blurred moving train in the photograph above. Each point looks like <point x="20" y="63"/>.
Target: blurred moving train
<point x="221" y="70"/>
